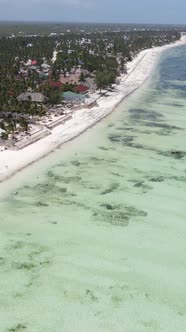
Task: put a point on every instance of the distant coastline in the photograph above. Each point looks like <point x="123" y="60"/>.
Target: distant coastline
<point x="138" y="71"/>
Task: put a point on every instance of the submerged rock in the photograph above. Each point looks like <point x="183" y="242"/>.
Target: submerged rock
<point x="17" y="328"/>
<point x="135" y="145"/>
<point x="139" y="184"/>
<point x="90" y="294"/>
<point x="108" y="206"/>
<point x="63" y="190"/>
<point x="103" y="148"/>
<point x="113" y="187"/>
<point x="127" y="139"/>
<point x="160" y="125"/>
<point x="134" y="212"/>
<point x="25" y="266"/>
<point x="157" y="179"/>
<point x="141" y="114"/>
<point x="41" y="204"/>
<point x="178" y="154"/>
<point x="69" y="179"/>
<point x="174" y="154"/>
<point x="75" y="163"/>
<point x="115" y="138"/>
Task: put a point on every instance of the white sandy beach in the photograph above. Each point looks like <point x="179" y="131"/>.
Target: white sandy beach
<point x="138" y="71"/>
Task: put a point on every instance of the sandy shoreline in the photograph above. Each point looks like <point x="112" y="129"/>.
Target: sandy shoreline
<point x="138" y="71"/>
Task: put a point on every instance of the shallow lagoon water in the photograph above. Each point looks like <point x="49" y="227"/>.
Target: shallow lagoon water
<point x="95" y="237"/>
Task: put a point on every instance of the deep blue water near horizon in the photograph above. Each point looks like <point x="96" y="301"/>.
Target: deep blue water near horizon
<point x="95" y="238"/>
<point x="173" y="68"/>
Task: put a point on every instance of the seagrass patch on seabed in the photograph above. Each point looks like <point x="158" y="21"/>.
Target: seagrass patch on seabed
<point x="115" y="216"/>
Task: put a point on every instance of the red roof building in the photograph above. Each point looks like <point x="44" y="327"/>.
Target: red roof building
<point x="81" y="88"/>
<point x="58" y="85"/>
<point x="34" y="62"/>
<point x="11" y="93"/>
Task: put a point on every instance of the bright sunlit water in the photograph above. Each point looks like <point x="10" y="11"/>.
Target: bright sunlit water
<point x="95" y="238"/>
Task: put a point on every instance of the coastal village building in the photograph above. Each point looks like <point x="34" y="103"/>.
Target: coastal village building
<point x="81" y="88"/>
<point x="35" y="97"/>
<point x="72" y="97"/>
<point x="57" y="85"/>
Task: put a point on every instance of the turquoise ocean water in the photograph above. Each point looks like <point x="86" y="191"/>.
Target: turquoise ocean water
<point x="95" y="237"/>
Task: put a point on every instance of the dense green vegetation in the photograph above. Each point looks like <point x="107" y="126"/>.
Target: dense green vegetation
<point x="98" y="53"/>
<point x="44" y="28"/>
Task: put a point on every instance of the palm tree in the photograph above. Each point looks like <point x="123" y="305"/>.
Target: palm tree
<point x="23" y="123"/>
<point x="82" y="78"/>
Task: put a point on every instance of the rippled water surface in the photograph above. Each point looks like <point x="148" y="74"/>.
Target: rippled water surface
<point x="93" y="237"/>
